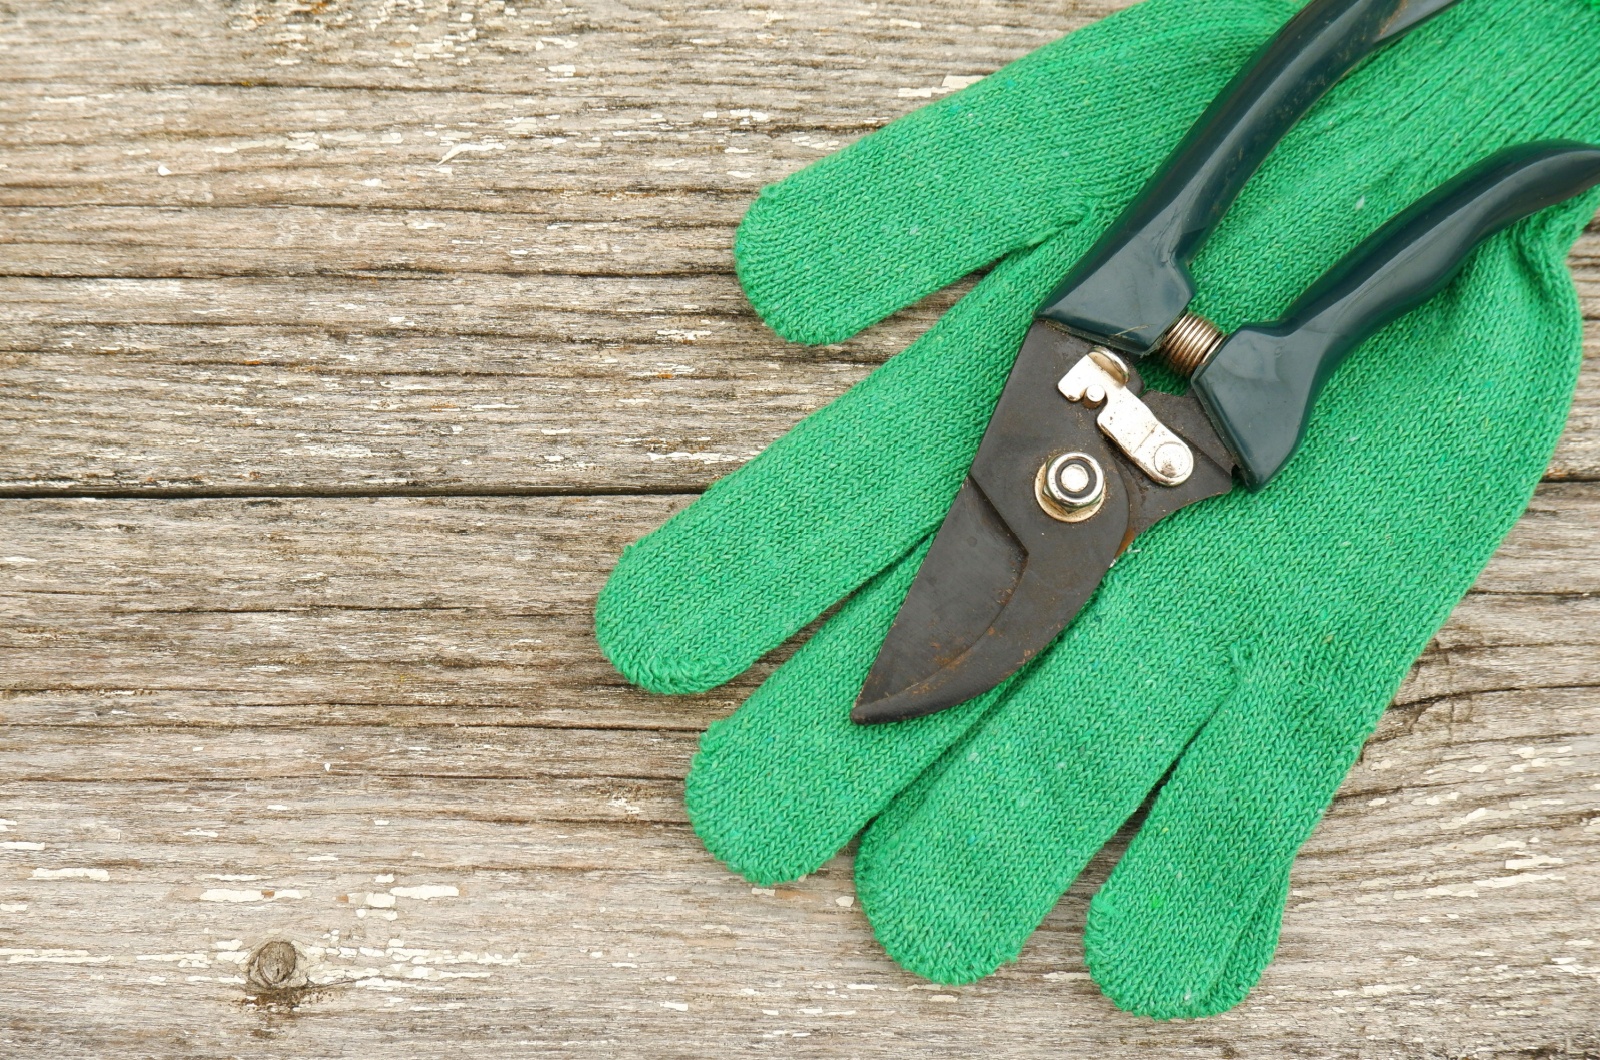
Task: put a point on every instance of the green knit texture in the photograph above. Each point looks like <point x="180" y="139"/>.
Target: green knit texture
<point x="1241" y="652"/>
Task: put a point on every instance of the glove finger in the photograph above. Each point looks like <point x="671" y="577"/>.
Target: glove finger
<point x="827" y="506"/>
<point x="1239" y="967"/>
<point x="1067" y="132"/>
<point x="960" y="869"/>
<point x="1256" y="946"/>
<point x="783" y="783"/>
<point x="1176" y="932"/>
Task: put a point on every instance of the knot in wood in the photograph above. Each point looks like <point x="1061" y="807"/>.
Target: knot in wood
<point x="272" y="966"/>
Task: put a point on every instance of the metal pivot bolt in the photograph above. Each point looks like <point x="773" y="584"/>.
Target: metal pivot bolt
<point x="1071" y="487"/>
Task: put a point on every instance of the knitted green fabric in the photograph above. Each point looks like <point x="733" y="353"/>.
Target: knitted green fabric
<point x="1244" y="648"/>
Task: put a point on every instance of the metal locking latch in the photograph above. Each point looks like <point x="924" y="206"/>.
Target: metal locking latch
<point x="1100" y="379"/>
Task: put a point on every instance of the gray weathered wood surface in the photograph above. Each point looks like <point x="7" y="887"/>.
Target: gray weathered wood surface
<point x="344" y="345"/>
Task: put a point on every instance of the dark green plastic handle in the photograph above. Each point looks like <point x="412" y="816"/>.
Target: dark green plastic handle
<point x="1135" y="283"/>
<point x="1260" y="384"/>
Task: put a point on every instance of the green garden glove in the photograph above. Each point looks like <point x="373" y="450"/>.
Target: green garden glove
<point x="1247" y="644"/>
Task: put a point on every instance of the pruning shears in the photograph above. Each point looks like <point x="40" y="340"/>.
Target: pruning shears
<point x="1079" y="458"/>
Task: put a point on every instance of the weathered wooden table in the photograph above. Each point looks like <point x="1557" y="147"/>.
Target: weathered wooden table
<point x="346" y="344"/>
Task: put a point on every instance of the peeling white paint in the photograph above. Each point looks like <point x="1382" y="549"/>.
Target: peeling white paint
<point x="1476" y="815"/>
<point x="223" y="894"/>
<point x="951" y="83"/>
<point x="487" y="145"/>
<point x="1449" y="890"/>
<point x="682" y="335"/>
<point x="1517" y="881"/>
<point x="379" y="983"/>
<point x="426" y="892"/>
<point x="71" y="874"/>
<point x="28" y="956"/>
<point x="699" y="458"/>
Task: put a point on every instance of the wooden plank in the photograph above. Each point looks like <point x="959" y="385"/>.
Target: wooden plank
<point x="460" y="603"/>
<point x="265" y="385"/>
<point x="787" y="52"/>
<point x="214" y="700"/>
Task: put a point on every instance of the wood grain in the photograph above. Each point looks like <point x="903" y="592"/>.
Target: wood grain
<point x="344" y="346"/>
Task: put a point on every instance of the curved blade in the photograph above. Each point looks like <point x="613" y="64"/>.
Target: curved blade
<point x="1002" y="577"/>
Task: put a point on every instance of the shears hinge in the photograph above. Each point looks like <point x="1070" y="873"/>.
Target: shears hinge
<point x="1099" y="380"/>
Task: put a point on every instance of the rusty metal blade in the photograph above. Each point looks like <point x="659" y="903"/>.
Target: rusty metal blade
<point x="1002" y="577"/>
